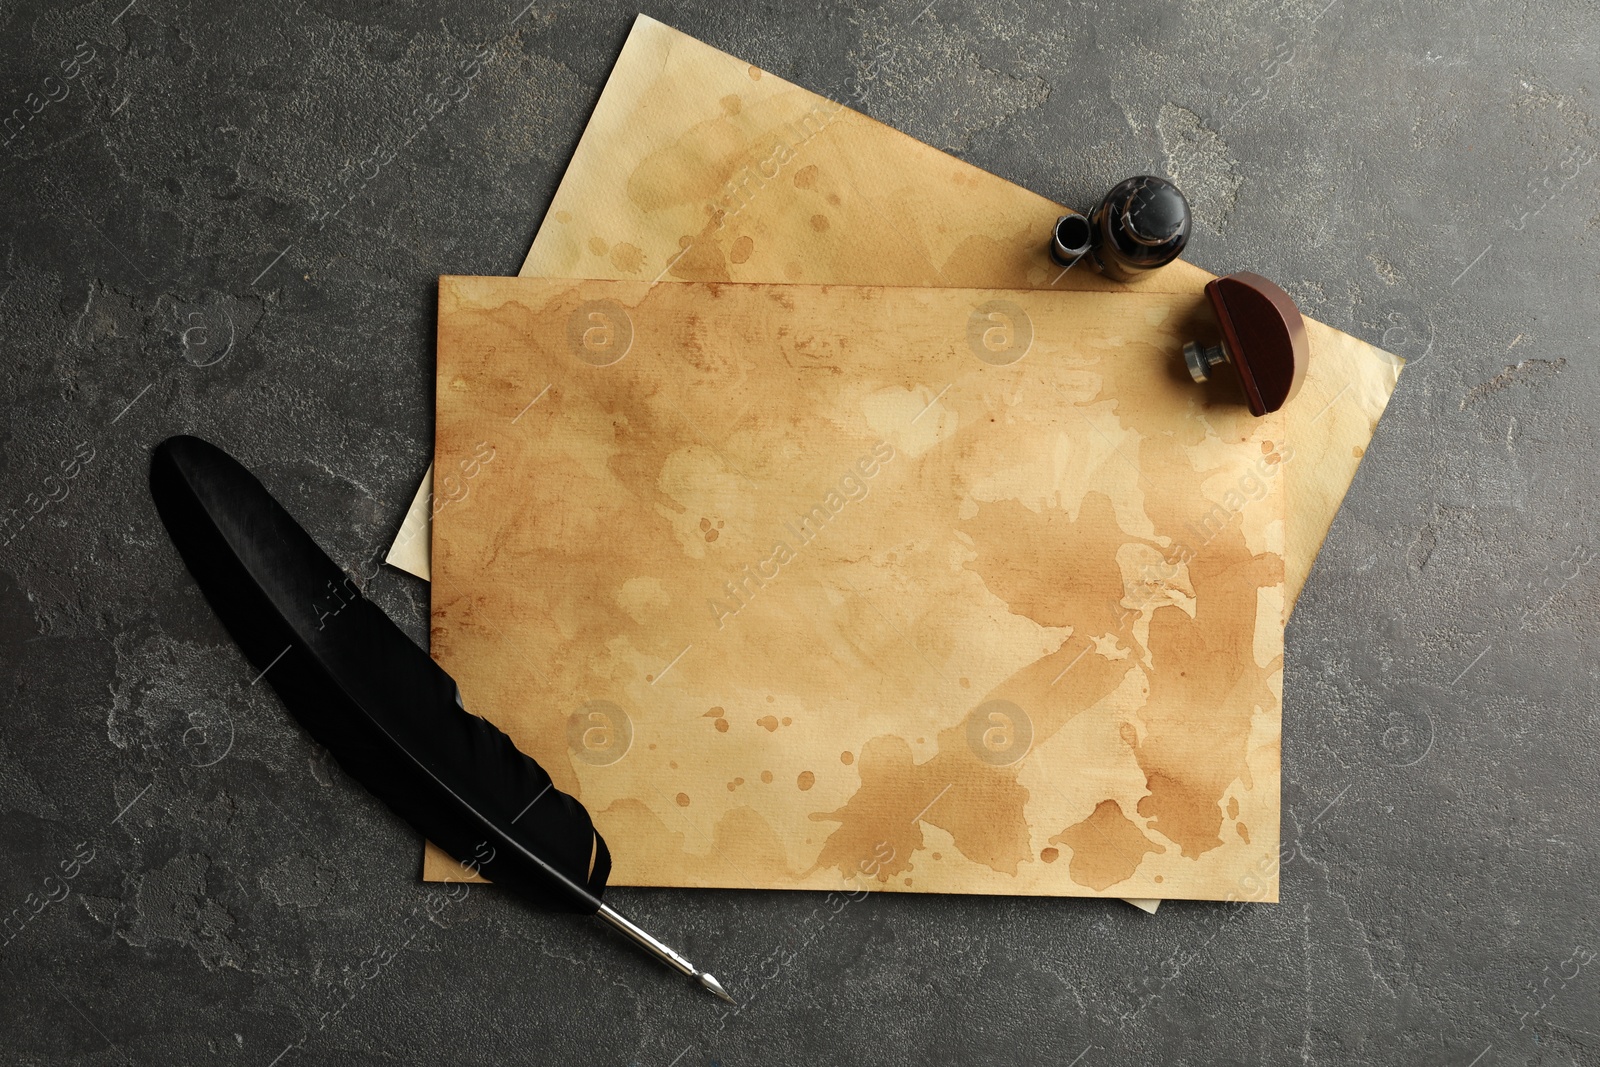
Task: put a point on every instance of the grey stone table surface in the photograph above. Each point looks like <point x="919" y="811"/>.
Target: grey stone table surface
<point x="190" y="881"/>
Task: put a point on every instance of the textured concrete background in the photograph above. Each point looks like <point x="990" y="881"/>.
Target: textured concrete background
<point x="192" y="242"/>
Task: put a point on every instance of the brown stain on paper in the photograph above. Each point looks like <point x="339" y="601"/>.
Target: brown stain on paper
<point x="627" y="258"/>
<point x="1064" y="573"/>
<point x="1107" y="847"/>
<point x="1205" y="688"/>
<point x="700" y="257"/>
<point x="982" y="806"/>
<point x="982" y="811"/>
<point x="1049" y="567"/>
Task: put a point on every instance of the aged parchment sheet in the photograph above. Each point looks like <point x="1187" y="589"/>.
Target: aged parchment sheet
<point x="780" y="580"/>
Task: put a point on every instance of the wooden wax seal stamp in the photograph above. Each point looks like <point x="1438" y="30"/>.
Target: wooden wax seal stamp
<point x="1263" y="336"/>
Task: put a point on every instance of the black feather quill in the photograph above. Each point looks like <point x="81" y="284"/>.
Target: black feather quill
<point x="387" y="712"/>
<point x="392" y="717"/>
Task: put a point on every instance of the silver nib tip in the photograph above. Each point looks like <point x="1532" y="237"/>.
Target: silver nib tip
<point x="710" y="983"/>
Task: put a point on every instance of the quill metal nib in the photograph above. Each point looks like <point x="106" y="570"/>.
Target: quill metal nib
<point x="710" y="982"/>
<point x="664" y="953"/>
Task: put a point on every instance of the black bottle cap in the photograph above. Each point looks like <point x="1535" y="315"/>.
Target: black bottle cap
<point x="1143" y="223"/>
<point x="1156" y="212"/>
